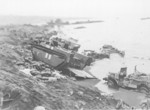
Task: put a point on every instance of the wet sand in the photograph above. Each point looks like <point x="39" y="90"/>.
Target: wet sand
<point x="132" y="98"/>
<point x="88" y="82"/>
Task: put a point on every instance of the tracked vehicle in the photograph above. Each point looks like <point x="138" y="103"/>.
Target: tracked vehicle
<point x="60" y="58"/>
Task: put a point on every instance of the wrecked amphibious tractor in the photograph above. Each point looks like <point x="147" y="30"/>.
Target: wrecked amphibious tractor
<point x="59" y="55"/>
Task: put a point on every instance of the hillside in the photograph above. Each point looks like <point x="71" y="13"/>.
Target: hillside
<point x="23" y="92"/>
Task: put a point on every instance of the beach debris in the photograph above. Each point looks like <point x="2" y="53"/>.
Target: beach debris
<point x="42" y="74"/>
<point x="105" y="52"/>
<point x="109" y="49"/>
<point x="95" y="55"/>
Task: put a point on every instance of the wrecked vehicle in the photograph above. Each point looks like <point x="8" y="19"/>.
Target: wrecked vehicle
<point x="69" y="44"/>
<point x="61" y="59"/>
<point x="137" y="81"/>
<point x="95" y="55"/>
<point x="109" y="49"/>
<point x="70" y="47"/>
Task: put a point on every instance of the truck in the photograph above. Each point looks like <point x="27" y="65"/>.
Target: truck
<point x="137" y="81"/>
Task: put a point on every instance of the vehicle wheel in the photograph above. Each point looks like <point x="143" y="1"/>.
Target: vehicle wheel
<point x="143" y="89"/>
<point x="112" y="84"/>
<point x="144" y="106"/>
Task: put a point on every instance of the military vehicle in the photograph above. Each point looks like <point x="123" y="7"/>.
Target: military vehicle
<point x="68" y="44"/>
<point x="95" y="55"/>
<point x="109" y="49"/>
<point x="59" y="57"/>
<point x="136" y="80"/>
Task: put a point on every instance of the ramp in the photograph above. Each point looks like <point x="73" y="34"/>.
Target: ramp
<point x="81" y="73"/>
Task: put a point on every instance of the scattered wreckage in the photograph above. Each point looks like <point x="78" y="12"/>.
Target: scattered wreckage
<point x="136" y="80"/>
<point x="109" y="49"/>
<point x="95" y="55"/>
<point x="40" y="71"/>
<point x="105" y="52"/>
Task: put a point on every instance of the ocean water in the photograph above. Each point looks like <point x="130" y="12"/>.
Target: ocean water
<point x="131" y="35"/>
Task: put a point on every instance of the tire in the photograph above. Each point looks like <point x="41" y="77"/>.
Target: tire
<point x="144" y="106"/>
<point x="143" y="89"/>
<point x="112" y="84"/>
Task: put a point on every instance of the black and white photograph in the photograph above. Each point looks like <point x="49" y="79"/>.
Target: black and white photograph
<point x="74" y="54"/>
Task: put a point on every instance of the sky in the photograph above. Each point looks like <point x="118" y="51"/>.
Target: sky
<point x="76" y="8"/>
